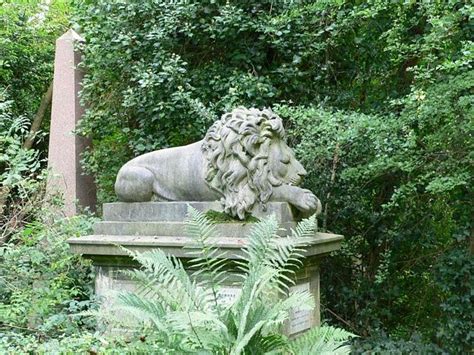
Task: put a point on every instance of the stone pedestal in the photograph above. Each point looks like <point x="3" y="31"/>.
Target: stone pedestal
<point x="145" y="226"/>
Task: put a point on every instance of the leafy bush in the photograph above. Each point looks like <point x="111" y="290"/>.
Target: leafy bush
<point x="159" y="74"/>
<point x="454" y="276"/>
<point x="18" y="166"/>
<point x="186" y="313"/>
<point x="400" y="188"/>
<point x="28" y="31"/>
<point x="382" y="345"/>
<point x="78" y="343"/>
<point x="42" y="285"/>
<point x="20" y="176"/>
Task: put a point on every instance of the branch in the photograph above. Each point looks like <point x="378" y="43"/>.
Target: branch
<point x="34" y="330"/>
<point x="339" y="318"/>
<point x="35" y="126"/>
<point x="333" y="179"/>
<point x="4" y="193"/>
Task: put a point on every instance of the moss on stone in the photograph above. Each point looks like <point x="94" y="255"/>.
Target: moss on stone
<point x="221" y="217"/>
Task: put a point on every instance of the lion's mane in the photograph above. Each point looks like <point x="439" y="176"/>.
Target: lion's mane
<point x="235" y="149"/>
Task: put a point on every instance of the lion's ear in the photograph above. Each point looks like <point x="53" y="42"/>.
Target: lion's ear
<point x="250" y="145"/>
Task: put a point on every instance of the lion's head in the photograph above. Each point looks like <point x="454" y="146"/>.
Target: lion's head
<point x="246" y="156"/>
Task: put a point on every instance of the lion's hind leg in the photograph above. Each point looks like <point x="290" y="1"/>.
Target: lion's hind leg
<point x="134" y="184"/>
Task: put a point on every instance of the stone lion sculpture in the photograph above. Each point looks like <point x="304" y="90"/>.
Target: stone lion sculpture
<point x="243" y="160"/>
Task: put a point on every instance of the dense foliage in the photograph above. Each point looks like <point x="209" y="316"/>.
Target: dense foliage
<point x="20" y="172"/>
<point x="18" y="166"/>
<point x="43" y="287"/>
<point x="28" y="31"/>
<point x="377" y="98"/>
<point x="406" y="216"/>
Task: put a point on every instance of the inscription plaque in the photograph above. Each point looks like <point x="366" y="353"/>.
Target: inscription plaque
<point x="300" y="319"/>
<point x="228" y="295"/>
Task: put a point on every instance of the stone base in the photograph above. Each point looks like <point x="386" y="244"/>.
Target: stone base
<point x="176" y="211"/>
<point x="112" y="278"/>
<point x="145" y="226"/>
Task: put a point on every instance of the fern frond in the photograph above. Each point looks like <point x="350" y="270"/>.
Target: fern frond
<point x="305" y="228"/>
<point x="295" y="244"/>
<point x="205" y="330"/>
<point x="143" y="310"/>
<point x="201" y="327"/>
<point x="259" y="248"/>
<point x="322" y="340"/>
<point x="290" y="251"/>
<point x="246" y="300"/>
<point x="267" y="344"/>
<point x="199" y="227"/>
<point x="209" y="264"/>
<point x="165" y="276"/>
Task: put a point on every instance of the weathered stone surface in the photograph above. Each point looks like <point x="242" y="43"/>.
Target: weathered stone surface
<point x="104" y="246"/>
<point x="111" y="277"/>
<point x="243" y="161"/>
<point x="234" y="230"/>
<point x="66" y="175"/>
<point x="176" y="211"/>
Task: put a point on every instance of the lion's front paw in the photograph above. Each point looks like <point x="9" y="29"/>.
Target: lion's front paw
<point x="307" y="202"/>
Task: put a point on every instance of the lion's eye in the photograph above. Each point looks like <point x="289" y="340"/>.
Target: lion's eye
<point x="285" y="160"/>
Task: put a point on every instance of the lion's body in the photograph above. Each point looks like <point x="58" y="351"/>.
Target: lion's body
<point x="243" y="160"/>
<point x="173" y="174"/>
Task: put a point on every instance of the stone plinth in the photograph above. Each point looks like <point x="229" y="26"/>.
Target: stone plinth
<point x="145" y="226"/>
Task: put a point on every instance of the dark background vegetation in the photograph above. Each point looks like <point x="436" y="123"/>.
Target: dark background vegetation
<point x="377" y="98"/>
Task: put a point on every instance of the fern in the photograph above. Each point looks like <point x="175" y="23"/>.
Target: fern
<point x="209" y="264"/>
<point x="183" y="309"/>
<point x="322" y="340"/>
<point x="18" y="165"/>
<point x="165" y="277"/>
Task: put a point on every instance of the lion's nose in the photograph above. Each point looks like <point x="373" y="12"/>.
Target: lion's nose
<point x="302" y="172"/>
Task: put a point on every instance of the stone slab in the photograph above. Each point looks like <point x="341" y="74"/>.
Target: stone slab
<point x="177" y="228"/>
<point x="112" y="278"/>
<point x="176" y="211"/>
<point x="106" y="246"/>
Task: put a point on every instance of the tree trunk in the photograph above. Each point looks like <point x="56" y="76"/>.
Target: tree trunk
<point x="4" y="192"/>
<point x="36" y="124"/>
<point x="331" y="183"/>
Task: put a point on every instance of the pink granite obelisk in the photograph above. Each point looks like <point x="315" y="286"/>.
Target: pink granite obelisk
<point x="66" y="175"/>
